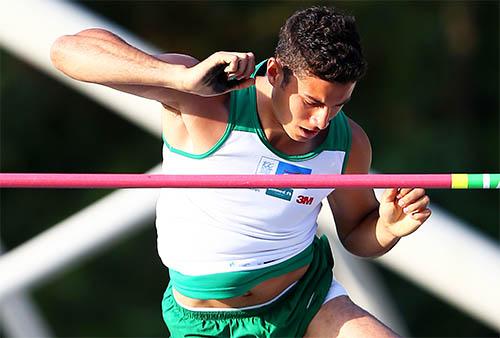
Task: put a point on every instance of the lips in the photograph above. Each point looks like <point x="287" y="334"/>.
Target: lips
<point x="308" y="133"/>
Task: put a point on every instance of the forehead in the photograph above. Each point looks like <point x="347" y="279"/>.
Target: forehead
<point x="327" y="92"/>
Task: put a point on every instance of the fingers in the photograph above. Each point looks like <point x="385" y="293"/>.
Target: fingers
<point x="239" y="65"/>
<point x="389" y="195"/>
<point x="421" y="216"/>
<point x="412" y="200"/>
<point x="419" y="205"/>
<point x="220" y="73"/>
<point x="403" y="192"/>
<point x="404" y="210"/>
<point x="250" y="65"/>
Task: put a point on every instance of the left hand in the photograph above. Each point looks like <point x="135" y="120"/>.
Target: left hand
<point x="404" y="210"/>
<point x="220" y="73"/>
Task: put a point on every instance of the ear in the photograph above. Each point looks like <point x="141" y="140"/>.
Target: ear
<point x="274" y="72"/>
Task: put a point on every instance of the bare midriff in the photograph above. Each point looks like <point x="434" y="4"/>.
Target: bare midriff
<point x="260" y="294"/>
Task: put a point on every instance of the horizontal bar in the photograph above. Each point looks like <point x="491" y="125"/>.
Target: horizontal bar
<point x="115" y="181"/>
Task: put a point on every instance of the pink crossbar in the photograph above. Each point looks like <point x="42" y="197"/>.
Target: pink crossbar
<point x="116" y="181"/>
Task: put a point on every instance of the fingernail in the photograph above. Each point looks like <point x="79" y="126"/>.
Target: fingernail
<point x="401" y="203"/>
<point x="231" y="77"/>
<point x="405" y="210"/>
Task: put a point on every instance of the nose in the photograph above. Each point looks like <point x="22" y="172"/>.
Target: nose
<point x="321" y="118"/>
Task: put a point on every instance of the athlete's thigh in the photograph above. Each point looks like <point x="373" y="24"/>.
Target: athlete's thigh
<point x="340" y="317"/>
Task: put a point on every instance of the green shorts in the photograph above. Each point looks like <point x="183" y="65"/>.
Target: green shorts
<point x="288" y="316"/>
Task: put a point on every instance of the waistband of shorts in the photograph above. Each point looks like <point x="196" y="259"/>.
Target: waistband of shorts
<point x="320" y="245"/>
<point x="245" y="308"/>
<point x="228" y="313"/>
<point x="236" y="283"/>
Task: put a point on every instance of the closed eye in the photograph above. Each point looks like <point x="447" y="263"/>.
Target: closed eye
<point x="312" y="104"/>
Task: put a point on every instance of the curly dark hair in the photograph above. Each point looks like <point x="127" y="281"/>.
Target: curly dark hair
<point x="322" y="42"/>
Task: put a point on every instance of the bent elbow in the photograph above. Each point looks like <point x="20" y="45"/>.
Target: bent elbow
<point x="57" y="51"/>
<point x="64" y="58"/>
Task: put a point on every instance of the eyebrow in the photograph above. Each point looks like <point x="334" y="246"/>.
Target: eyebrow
<point x="319" y="102"/>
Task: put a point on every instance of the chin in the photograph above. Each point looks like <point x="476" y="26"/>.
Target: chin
<point x="295" y="135"/>
<point x="299" y="138"/>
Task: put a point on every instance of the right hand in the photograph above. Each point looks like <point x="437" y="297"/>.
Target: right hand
<point x="220" y="73"/>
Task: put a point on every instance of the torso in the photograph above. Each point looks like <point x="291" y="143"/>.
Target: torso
<point x="178" y="135"/>
<point x="260" y="294"/>
<point x="208" y="121"/>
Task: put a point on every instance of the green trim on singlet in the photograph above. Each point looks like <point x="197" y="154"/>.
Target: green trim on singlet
<point x="246" y="119"/>
<point x="212" y="150"/>
<point x="236" y="283"/>
<point x="230" y="126"/>
<point x="243" y="116"/>
<point x="333" y="141"/>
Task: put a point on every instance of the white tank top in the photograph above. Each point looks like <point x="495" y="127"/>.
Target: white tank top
<point x="208" y="231"/>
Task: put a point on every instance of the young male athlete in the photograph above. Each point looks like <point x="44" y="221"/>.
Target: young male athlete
<point x="246" y="262"/>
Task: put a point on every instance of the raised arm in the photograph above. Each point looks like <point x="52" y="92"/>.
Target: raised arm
<point x="365" y="227"/>
<point x="99" y="56"/>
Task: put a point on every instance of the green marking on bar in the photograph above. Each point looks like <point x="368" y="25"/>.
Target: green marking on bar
<point x="483" y="181"/>
<point x="475" y="181"/>
<point x="494" y="181"/>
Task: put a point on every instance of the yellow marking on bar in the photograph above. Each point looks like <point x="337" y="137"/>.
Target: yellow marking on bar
<point x="459" y="181"/>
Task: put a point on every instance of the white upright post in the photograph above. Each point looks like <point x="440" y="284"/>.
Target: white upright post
<point x="20" y="318"/>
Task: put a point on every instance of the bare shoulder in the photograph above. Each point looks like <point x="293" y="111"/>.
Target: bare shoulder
<point x="190" y="122"/>
<point x="350" y="206"/>
<point x="360" y="155"/>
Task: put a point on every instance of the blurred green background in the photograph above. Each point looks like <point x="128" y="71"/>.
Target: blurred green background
<point x="429" y="103"/>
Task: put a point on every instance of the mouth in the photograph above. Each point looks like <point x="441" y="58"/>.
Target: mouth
<point x="307" y="133"/>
